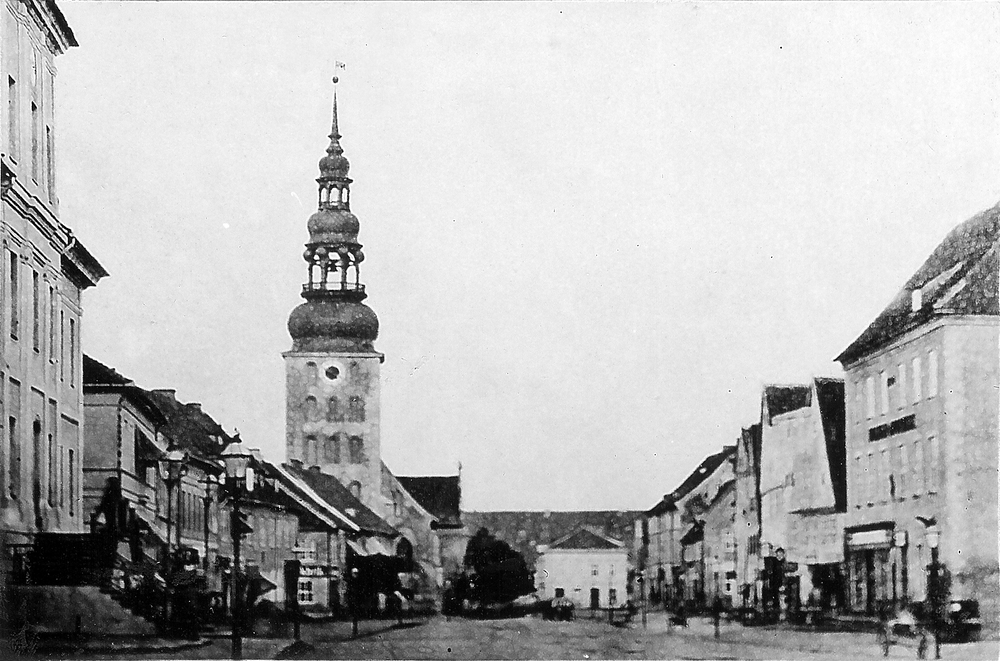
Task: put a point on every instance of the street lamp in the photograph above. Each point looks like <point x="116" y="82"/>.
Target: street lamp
<point x="237" y="461"/>
<point x="209" y="482"/>
<point x="173" y="467"/>
<point x="933" y="535"/>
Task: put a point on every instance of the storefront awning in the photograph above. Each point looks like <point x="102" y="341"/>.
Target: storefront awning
<point x="366" y="546"/>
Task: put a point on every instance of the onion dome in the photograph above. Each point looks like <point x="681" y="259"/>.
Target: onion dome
<point x="330" y="324"/>
<point x="329" y="225"/>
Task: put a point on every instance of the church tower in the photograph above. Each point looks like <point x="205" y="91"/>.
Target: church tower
<point x="332" y="372"/>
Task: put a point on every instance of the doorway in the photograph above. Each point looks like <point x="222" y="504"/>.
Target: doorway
<point x="595" y="598"/>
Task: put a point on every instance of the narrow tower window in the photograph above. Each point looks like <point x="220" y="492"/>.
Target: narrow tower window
<point x="357" y="450"/>
<point x="333" y="412"/>
<point x="356" y="409"/>
<point x="15" y="295"/>
<point x="311" y="412"/>
<point x="36" y="311"/>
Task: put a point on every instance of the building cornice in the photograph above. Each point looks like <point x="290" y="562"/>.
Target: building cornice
<point x="919" y="331"/>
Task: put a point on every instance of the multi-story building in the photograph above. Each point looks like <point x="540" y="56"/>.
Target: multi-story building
<point x="675" y="518"/>
<point x="802" y="493"/>
<point x="719" y="545"/>
<point x="747" y="521"/>
<point x="585" y="566"/>
<point x="922" y="427"/>
<point x="44" y="270"/>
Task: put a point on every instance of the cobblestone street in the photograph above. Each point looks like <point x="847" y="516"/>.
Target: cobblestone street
<point x="535" y="638"/>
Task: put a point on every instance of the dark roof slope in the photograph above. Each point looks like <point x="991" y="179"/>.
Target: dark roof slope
<point x="830" y="393"/>
<point x="339" y="497"/>
<point x="707" y="466"/>
<point x="959" y="277"/>
<point x="189" y="426"/>
<point x="525" y="530"/>
<point x="98" y="377"/>
<point x="439" y="495"/>
<point x="587" y="538"/>
<point x="785" y="399"/>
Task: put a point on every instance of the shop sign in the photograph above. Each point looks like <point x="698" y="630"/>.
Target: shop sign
<point x="870" y="538"/>
<point x="318" y="571"/>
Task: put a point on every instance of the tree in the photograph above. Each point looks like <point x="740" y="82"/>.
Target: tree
<point x="497" y="573"/>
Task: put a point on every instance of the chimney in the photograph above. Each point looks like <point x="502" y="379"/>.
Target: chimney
<point x="296" y="463"/>
<point x="169" y="392"/>
<point x="916" y="300"/>
<point x="314" y="469"/>
<point x="196" y="406"/>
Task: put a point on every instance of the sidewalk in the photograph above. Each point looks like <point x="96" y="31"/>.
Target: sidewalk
<point x="49" y="644"/>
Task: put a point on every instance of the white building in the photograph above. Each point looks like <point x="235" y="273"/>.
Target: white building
<point x="585" y="566"/>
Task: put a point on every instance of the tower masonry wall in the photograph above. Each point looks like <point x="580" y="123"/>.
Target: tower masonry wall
<point x="332" y="418"/>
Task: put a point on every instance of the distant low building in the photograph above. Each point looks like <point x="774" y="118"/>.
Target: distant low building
<point x="585" y="566"/>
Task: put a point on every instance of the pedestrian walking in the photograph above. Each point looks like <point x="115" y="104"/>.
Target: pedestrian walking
<point x="716" y="613"/>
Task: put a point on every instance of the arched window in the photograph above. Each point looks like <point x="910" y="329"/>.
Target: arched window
<point x="404" y="551"/>
<point x="355" y="488"/>
<point x="333" y="411"/>
<point x="309" y="457"/>
<point x="333" y="449"/>
<point x="311" y="370"/>
<point x="311" y="411"/>
<point x="355" y="409"/>
<point x="357" y="449"/>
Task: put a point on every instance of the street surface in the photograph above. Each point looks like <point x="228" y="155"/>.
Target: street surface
<point x="535" y="638"/>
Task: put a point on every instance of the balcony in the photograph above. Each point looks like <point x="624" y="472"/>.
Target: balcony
<point x="332" y="286"/>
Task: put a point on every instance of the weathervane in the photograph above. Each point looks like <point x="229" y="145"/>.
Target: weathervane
<point x="338" y="66"/>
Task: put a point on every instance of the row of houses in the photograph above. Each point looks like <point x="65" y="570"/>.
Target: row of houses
<point x="112" y="494"/>
<point x="845" y="489"/>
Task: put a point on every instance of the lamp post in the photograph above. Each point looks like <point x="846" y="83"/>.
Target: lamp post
<point x="209" y="482"/>
<point x="173" y="467"/>
<point x="933" y="539"/>
<point x="237" y="461"/>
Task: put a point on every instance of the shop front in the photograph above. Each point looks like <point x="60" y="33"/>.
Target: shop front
<point x="870" y="569"/>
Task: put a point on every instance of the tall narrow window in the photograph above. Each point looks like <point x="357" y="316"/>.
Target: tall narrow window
<point x="15" y="295"/>
<point x="62" y="476"/>
<point x="356" y="409"/>
<point x="72" y="482"/>
<point x="53" y="461"/>
<point x="333" y="452"/>
<point x="36" y="155"/>
<point x="311" y="413"/>
<point x="50" y="170"/>
<point x="932" y="373"/>
<point x="356" y="446"/>
<point x="52" y="324"/>
<point x="14" y="454"/>
<point x="62" y="345"/>
<point x="934" y="464"/>
<point x="884" y="392"/>
<point x="883" y="476"/>
<point x="36" y="311"/>
<point x="916" y="379"/>
<point x="904" y="470"/>
<point x="870" y="396"/>
<point x="12" y="137"/>
<point x="72" y="352"/>
<point x="918" y="468"/>
<point x="333" y="412"/>
<point x="901" y="386"/>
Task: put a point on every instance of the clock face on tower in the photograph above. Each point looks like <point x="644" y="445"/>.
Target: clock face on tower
<point x="333" y="372"/>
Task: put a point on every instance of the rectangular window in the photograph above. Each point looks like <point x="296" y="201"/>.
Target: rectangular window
<point x="883" y="476"/>
<point x="36" y="311"/>
<point x="904" y="470"/>
<point x="884" y="392"/>
<point x="12" y="117"/>
<point x="934" y="464"/>
<point x="72" y="481"/>
<point x="932" y="373"/>
<point x="305" y="593"/>
<point x="593" y="570"/>
<point x="870" y="396"/>
<point x="50" y="171"/>
<point x="15" y="295"/>
<point x="916" y="379"/>
<point x="53" y="455"/>
<point x="62" y="345"/>
<point x="918" y="468"/>
<point x="901" y="386"/>
<point x="870" y="495"/>
<point x="52" y="324"/>
<point x="62" y="476"/>
<point x="36" y="155"/>
<point x="14" y="454"/>
<point x="72" y="352"/>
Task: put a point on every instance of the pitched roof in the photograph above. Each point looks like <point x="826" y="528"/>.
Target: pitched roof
<point x="189" y="426"/>
<point x="98" y="377"/>
<point x="830" y="393"/>
<point x="959" y="277"/>
<point x="707" y="466"/>
<point x="525" y="530"/>
<point x="336" y="495"/>
<point x="441" y="495"/>
<point x="587" y="538"/>
<point x="778" y="400"/>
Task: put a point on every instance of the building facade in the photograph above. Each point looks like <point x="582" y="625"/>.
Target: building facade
<point x="922" y="431"/>
<point x="747" y="518"/>
<point x="586" y="567"/>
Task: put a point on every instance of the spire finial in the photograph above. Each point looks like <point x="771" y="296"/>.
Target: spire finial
<point x="334" y="164"/>
<point x="335" y="129"/>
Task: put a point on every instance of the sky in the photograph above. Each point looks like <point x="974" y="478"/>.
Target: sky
<point x="593" y="231"/>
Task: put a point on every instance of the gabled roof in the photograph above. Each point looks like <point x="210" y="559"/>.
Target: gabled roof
<point x="336" y="496"/>
<point x="707" y="466"/>
<point x="586" y="538"/>
<point x="959" y="277"/>
<point x="189" y="426"/>
<point x="439" y="495"/>
<point x="778" y="400"/>
<point x="98" y="378"/>
<point x="830" y="393"/>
